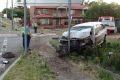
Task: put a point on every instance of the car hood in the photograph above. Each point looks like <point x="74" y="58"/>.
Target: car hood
<point x="78" y="34"/>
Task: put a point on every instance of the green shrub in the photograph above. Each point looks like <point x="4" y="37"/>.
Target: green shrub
<point x="118" y="29"/>
<point x="112" y="61"/>
<point x="104" y="75"/>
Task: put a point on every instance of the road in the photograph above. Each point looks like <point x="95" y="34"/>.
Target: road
<point x="9" y="43"/>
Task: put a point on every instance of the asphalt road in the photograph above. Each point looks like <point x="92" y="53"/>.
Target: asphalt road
<point x="9" y="43"/>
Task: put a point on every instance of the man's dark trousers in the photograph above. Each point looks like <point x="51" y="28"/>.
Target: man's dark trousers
<point x="35" y="29"/>
<point x="28" y="40"/>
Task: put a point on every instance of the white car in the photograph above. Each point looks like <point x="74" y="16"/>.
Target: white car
<point x="90" y="33"/>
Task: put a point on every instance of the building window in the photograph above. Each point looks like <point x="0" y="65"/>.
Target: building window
<point x="44" y="11"/>
<point x="75" y="21"/>
<point x="72" y="11"/>
<point x="18" y="0"/>
<point x="44" y="21"/>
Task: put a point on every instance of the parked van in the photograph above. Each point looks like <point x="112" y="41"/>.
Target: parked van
<point x="109" y="23"/>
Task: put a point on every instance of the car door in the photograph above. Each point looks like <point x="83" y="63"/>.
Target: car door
<point x="99" y="34"/>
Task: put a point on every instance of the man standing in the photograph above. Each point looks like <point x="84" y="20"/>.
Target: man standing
<point x="28" y="36"/>
<point x="35" y="27"/>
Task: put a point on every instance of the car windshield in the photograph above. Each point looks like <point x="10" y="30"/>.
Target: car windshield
<point x="78" y="28"/>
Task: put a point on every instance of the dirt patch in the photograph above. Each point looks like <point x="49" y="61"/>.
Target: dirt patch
<point x="62" y="68"/>
<point x="116" y="36"/>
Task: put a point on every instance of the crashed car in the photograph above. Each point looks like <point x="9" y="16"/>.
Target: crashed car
<point x="81" y="35"/>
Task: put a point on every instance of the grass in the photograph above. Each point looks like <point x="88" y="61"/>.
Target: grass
<point x="104" y="75"/>
<point x="100" y="55"/>
<point x="54" y="43"/>
<point x="30" y="67"/>
<point x="6" y="24"/>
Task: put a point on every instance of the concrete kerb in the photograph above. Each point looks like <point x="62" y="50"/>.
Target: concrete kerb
<point x="8" y="69"/>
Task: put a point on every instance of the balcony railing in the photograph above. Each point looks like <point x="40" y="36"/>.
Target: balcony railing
<point x="59" y="14"/>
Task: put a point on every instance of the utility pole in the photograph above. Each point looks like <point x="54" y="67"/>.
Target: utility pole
<point x="69" y="23"/>
<point x="12" y="15"/>
<point x="6" y="8"/>
<point x="25" y="20"/>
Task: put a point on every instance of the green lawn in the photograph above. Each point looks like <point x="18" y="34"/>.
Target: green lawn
<point x="30" y="67"/>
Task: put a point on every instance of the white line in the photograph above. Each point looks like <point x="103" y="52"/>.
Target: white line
<point x="4" y="45"/>
<point x="8" y="35"/>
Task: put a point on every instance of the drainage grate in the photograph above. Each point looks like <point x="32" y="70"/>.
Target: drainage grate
<point x="8" y="55"/>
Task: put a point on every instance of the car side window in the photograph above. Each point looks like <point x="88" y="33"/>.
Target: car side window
<point x="98" y="29"/>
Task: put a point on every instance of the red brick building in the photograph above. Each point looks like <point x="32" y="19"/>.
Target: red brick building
<point x="52" y="16"/>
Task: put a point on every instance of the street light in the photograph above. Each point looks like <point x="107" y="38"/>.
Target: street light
<point x="69" y="23"/>
<point x="25" y="14"/>
<point x="12" y="15"/>
<point x="6" y="8"/>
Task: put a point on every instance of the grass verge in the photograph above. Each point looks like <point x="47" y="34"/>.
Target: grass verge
<point x="54" y="43"/>
<point x="30" y="67"/>
<point x="99" y="56"/>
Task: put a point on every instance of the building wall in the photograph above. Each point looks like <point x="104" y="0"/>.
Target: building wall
<point x="54" y="16"/>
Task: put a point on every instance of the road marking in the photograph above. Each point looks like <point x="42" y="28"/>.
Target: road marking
<point x="8" y="35"/>
<point x="4" y="46"/>
<point x="3" y="49"/>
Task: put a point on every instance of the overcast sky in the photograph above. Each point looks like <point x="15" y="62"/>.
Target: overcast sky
<point x="3" y="2"/>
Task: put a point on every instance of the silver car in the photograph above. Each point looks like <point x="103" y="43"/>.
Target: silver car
<point x="90" y="33"/>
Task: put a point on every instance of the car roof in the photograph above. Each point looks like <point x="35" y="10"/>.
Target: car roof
<point x="88" y="24"/>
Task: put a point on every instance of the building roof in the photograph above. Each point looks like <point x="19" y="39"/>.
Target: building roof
<point x="73" y="6"/>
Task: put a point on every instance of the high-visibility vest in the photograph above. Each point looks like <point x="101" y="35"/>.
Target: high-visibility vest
<point x="27" y="30"/>
<point x="22" y="29"/>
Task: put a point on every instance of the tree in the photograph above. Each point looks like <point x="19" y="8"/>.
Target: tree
<point x="8" y="12"/>
<point x="97" y="9"/>
<point x="18" y="12"/>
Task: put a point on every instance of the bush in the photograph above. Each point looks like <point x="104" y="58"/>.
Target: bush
<point x="112" y="61"/>
<point x="104" y="75"/>
<point x="118" y="29"/>
<point x="111" y="56"/>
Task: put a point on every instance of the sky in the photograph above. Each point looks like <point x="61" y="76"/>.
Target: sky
<point x="3" y="2"/>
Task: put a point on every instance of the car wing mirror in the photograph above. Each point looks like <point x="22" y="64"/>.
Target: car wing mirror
<point x="90" y="32"/>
